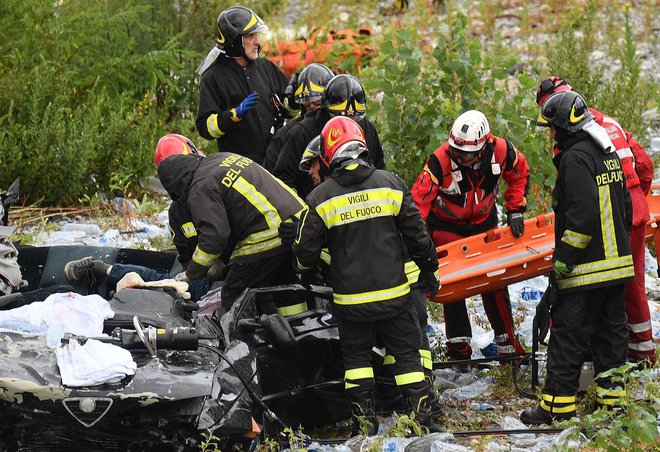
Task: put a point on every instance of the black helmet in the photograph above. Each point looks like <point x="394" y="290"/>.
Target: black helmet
<point x="312" y="82"/>
<point x="566" y="110"/>
<point x="233" y="23"/>
<point x="311" y="153"/>
<point x="344" y="95"/>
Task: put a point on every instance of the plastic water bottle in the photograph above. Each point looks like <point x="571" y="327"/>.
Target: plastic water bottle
<point x="54" y="335"/>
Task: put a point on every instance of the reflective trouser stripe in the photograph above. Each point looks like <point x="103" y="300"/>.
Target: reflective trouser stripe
<point x="352" y="376"/>
<point x="645" y="346"/>
<point x="410" y="377"/>
<point x="427" y="361"/>
<point x="640" y="327"/>
<point x="558" y="404"/>
<point x="293" y="309"/>
<point x="610" y="397"/>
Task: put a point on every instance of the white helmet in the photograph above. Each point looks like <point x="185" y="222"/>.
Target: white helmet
<point x="469" y="132"/>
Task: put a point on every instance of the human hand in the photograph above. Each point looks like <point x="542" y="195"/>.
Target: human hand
<point x="288" y="231"/>
<point x="217" y="272"/>
<point x="516" y="221"/>
<point x="428" y="282"/>
<point x="248" y="104"/>
<point x="182" y="277"/>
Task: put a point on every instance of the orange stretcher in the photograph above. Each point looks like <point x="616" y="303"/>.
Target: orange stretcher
<point x="492" y="260"/>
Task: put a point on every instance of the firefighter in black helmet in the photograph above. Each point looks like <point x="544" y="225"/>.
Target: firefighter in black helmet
<point x="241" y="95"/>
<point x="305" y="91"/>
<point x="343" y="96"/>
<point x="592" y="260"/>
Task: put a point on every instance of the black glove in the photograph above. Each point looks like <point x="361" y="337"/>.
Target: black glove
<point x="196" y="271"/>
<point x="541" y="322"/>
<point x="288" y="231"/>
<point x="516" y="221"/>
<point x="217" y="272"/>
<point x="428" y="282"/>
<point x="289" y="92"/>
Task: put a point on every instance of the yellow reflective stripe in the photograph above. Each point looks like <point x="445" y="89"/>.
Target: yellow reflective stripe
<point x="604" y="392"/>
<point x="607" y="222"/>
<point x="610" y="401"/>
<point x="244" y="249"/>
<point x="575" y="239"/>
<point x="253" y="20"/>
<point x="369" y="297"/>
<point x="301" y="267"/>
<point x="338" y="107"/>
<point x="559" y="399"/>
<point x="574" y="279"/>
<point x="293" y="309"/>
<point x="412" y="271"/>
<point x="410" y="377"/>
<point x="348" y="385"/>
<point x="325" y="256"/>
<point x="259" y="201"/>
<point x="560" y="409"/>
<point x="205" y="259"/>
<point x="213" y="127"/>
<point x="360" y="205"/>
<point x="388" y="360"/>
<point x="427" y="361"/>
<point x="188" y="229"/>
<point x="359" y="373"/>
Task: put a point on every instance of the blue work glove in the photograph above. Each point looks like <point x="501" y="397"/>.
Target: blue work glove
<point x="247" y="105"/>
<point x="562" y="269"/>
<point x="516" y="221"/>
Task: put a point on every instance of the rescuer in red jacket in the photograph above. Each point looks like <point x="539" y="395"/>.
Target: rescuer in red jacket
<point x="456" y="192"/>
<point x="638" y="170"/>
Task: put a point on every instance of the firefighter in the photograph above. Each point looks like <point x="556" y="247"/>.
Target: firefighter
<point x="310" y="163"/>
<point x="307" y="92"/>
<point x="355" y="207"/>
<point x="236" y="208"/>
<point x="241" y="95"/>
<point x="638" y="170"/>
<point x="456" y="192"/>
<point x="343" y="96"/>
<point x="592" y="260"/>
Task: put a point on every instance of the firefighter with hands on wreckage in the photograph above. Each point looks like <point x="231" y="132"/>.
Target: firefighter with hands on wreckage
<point x="355" y="206"/>
<point x="236" y="208"/>
<point x="456" y="192"/>
<point x="343" y="96"/>
<point x="241" y="95"/>
<point x="638" y="170"/>
<point x="307" y="93"/>
<point x="592" y="260"/>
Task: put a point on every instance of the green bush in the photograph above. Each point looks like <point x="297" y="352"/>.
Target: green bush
<point x="87" y="88"/>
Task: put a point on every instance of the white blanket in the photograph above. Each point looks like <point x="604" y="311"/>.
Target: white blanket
<point x="93" y="363"/>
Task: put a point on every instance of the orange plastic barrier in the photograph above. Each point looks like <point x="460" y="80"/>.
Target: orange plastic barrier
<point x="485" y="262"/>
<point x="292" y="56"/>
<point x="489" y="261"/>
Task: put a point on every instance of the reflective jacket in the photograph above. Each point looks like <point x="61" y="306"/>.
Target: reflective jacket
<point x="592" y="216"/>
<point x="636" y="165"/>
<point x="223" y="87"/>
<point x="301" y="134"/>
<point x="365" y="217"/>
<point x="235" y="204"/>
<point x="461" y="198"/>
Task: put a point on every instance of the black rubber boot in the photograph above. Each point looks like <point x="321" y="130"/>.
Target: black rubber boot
<point x="539" y="416"/>
<point x="363" y="414"/>
<point x="434" y="404"/>
<point x="416" y="398"/>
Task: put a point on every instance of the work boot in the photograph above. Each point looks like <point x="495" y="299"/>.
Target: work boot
<point x="86" y="269"/>
<point x="363" y="414"/>
<point x="434" y="403"/>
<point x="551" y="408"/>
<point x="613" y="400"/>
<point x="416" y="398"/>
<point x="539" y="416"/>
